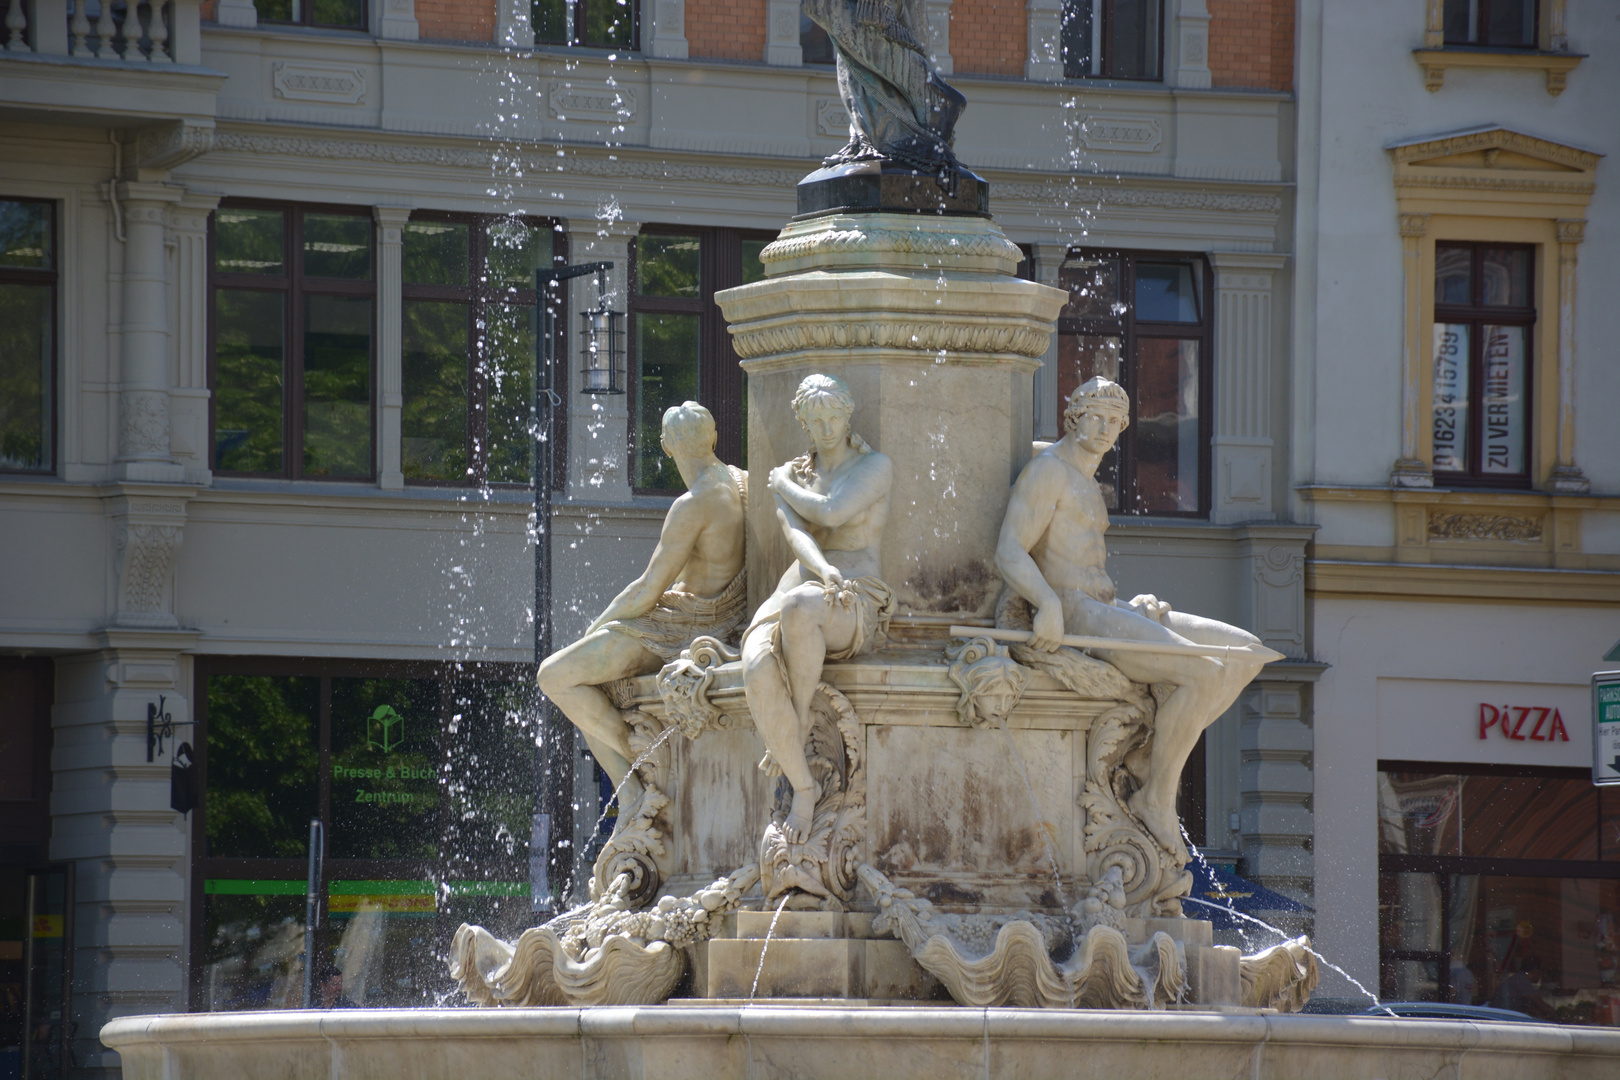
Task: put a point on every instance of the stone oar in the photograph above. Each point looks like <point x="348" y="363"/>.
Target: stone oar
<point x="1123" y="644"/>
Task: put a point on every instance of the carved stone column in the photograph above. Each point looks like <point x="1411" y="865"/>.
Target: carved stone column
<point x="390" y="338"/>
<point x="1413" y="468"/>
<point x="1192" y="45"/>
<point x="937" y="17"/>
<point x="1566" y="475"/>
<point x="1044" y="27"/>
<point x="1048" y="408"/>
<point x="598" y="424"/>
<point x="782" y="33"/>
<point x="1243" y="385"/>
<point x="110" y="815"/>
<point x="143" y="405"/>
<point x="398" y="20"/>
<point x="668" y="20"/>
<point x="188" y="314"/>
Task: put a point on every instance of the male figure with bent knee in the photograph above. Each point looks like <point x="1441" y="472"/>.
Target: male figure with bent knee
<point x="693" y="586"/>
<point x="1051" y="553"/>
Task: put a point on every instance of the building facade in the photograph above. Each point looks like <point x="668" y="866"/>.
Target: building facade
<point x="265" y="456"/>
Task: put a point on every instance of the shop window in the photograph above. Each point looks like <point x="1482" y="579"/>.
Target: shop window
<point x="1500" y="886"/>
<point x="1143" y="321"/>
<point x="468" y="350"/>
<point x="331" y="14"/>
<point x="27" y="335"/>
<point x="291" y="364"/>
<point x="423" y="781"/>
<point x="680" y="349"/>
<point x="1484" y="319"/>
<point x="1112" y="39"/>
<point x="599" y="24"/>
<point x="1496" y="23"/>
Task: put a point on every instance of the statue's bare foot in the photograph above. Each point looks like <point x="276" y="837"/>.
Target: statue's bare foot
<point x="1162" y="823"/>
<point x="802" y="815"/>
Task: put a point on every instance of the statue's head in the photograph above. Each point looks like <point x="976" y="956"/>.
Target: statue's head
<point x="688" y="430"/>
<point x="1097" y="413"/>
<point x="991" y="687"/>
<point x="824" y="405"/>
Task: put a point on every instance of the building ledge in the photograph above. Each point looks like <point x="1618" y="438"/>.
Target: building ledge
<point x="1349" y="580"/>
<point x="1556" y="65"/>
<point x="44" y="86"/>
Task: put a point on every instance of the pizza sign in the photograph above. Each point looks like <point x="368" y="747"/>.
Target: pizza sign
<point x="1522" y="723"/>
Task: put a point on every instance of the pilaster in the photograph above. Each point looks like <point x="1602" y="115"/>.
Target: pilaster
<point x="1566" y="475"/>
<point x="937" y="17"/>
<point x="1276" y="823"/>
<point x="1244" y="285"/>
<point x="396" y="20"/>
<point x="1412" y="469"/>
<point x="1048" y="409"/>
<point x="667" y="18"/>
<point x="1044" y="27"/>
<point x="513" y="26"/>
<point x="144" y="452"/>
<point x="1191" y="36"/>
<point x="110" y="815"/>
<point x="598" y="424"/>
<point x="390" y="343"/>
<point x="188" y="314"/>
<point x="782" y="33"/>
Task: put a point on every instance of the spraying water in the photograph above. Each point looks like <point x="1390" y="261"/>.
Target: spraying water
<point x="765" y="948"/>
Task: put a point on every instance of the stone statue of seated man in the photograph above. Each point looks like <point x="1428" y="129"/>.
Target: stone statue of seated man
<point x="831" y="505"/>
<point x="693" y="586"/>
<point x="1051" y="554"/>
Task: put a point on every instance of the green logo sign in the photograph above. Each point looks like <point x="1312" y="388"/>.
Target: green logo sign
<point x="385" y="729"/>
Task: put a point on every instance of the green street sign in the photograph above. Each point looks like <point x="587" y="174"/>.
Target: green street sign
<point x="1606" y="727"/>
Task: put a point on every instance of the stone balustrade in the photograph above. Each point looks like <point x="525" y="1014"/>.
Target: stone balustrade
<point x="152" y="32"/>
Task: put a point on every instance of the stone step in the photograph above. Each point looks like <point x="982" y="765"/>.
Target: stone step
<point x="823" y="967"/>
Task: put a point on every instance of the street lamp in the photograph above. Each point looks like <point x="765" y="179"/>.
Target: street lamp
<point x="551" y="854"/>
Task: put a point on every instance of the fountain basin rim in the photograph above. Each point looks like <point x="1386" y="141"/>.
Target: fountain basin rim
<point x="875" y="1022"/>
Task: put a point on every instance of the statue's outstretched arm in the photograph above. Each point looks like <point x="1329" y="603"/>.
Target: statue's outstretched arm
<point x="675" y="543"/>
<point x="852" y="493"/>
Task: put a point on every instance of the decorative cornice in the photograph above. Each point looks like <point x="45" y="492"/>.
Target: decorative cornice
<point x="1491" y="183"/>
<point x="1145" y="198"/>
<point x="911" y="335"/>
<point x="955" y="244"/>
<point x="1497" y="138"/>
<point x="1571" y="230"/>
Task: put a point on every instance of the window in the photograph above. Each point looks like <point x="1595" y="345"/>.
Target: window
<point x="1143" y="321"/>
<point x="814" y="44"/>
<point x="468" y="347"/>
<point x="1484" y="314"/>
<point x="599" y="24"/>
<point x="293" y="297"/>
<point x="1500" y="886"/>
<point x="335" y="14"/>
<point x="27" y="335"/>
<point x="1112" y="39"/>
<point x="680" y="349"/>
<point x="1499" y="23"/>
<point x="370" y="750"/>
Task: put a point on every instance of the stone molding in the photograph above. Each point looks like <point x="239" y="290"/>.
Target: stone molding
<point x="1557" y="66"/>
<point x="921" y="334"/>
<point x="1494" y="138"/>
<point x="832" y="242"/>
<point x="161" y="149"/>
<point x="1147" y="198"/>
<point x="332" y="84"/>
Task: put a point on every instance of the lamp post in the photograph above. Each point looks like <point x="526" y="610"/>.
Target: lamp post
<point x="551" y="854"/>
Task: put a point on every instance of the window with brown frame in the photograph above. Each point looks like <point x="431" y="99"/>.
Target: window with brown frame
<point x="28" y="279"/>
<point x="291" y="330"/>
<point x="423" y="779"/>
<point x="468" y="350"/>
<point x="1501" y="24"/>
<point x="680" y="349"/>
<point x="1113" y="39"/>
<point x="1500" y="885"/>
<point x="597" y="24"/>
<point x="331" y="14"/>
<point x="1142" y="319"/>
<point x="1484" y="318"/>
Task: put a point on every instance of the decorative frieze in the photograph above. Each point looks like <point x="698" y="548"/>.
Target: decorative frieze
<point x="330" y="84"/>
<point x="1512" y="528"/>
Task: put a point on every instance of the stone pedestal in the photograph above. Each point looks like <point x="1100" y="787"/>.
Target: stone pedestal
<point x="923" y="316"/>
<point x="810" y="954"/>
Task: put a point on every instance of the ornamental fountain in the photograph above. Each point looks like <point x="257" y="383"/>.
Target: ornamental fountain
<point x="896" y="768"/>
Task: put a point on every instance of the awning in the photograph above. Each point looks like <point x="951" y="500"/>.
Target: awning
<point x="1217" y="892"/>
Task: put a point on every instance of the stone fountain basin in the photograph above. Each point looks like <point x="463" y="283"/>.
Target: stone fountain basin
<point x="838" y="1041"/>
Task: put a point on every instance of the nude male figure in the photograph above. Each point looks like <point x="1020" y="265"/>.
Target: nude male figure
<point x="831" y="505"/>
<point x="1051" y="553"/>
<point x="693" y="586"/>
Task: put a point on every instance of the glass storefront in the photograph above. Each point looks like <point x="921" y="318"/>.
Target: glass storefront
<point x="423" y="781"/>
<point x="1500" y="886"/>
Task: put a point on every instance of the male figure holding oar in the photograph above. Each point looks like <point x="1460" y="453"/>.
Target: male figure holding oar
<point x="1051" y="553"/>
